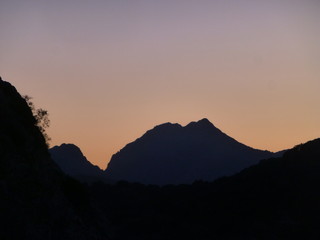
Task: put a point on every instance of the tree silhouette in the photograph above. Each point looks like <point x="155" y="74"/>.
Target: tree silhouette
<point x="41" y="116"/>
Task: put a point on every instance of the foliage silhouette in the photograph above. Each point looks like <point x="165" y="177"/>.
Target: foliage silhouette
<point x="41" y="116"/>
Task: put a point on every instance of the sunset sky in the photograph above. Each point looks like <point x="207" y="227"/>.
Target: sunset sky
<point x="107" y="71"/>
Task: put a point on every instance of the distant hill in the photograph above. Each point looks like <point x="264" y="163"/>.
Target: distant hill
<point x="72" y="162"/>
<point x="172" y="154"/>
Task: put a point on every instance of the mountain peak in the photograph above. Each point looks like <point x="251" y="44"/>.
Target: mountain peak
<point x="203" y="123"/>
<point x="71" y="160"/>
<point x="165" y="127"/>
<point x="69" y="149"/>
<point x="168" y="125"/>
<point x="69" y="146"/>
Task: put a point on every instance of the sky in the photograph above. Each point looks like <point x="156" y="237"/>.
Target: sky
<point x="108" y="71"/>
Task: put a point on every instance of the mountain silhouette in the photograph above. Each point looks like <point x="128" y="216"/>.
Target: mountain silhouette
<point x="72" y="162"/>
<point x="172" y="154"/>
<point x="37" y="200"/>
<point x="277" y="198"/>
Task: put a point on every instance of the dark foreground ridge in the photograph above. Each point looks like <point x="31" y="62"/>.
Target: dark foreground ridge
<point x="172" y="154"/>
<point x="37" y="200"/>
<point x="278" y="198"/>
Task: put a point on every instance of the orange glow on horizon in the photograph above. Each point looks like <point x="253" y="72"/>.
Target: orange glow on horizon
<point x="108" y="72"/>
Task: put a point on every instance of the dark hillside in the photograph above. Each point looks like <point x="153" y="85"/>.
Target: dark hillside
<point x="37" y="200"/>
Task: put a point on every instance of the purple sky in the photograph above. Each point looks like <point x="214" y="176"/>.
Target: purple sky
<point x="107" y="71"/>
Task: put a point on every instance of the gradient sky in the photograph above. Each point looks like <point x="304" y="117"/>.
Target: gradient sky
<point x="107" y="71"/>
